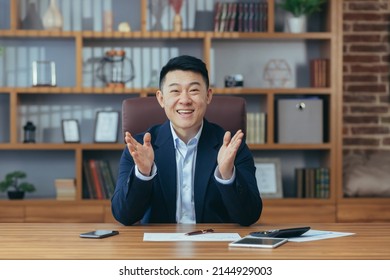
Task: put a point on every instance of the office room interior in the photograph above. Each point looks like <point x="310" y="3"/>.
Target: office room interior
<point x="317" y="100"/>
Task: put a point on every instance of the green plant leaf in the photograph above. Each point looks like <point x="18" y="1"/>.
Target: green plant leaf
<point x="11" y="182"/>
<point x="302" y="7"/>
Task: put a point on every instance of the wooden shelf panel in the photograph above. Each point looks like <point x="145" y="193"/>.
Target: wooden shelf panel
<point x="165" y="35"/>
<point x="60" y="146"/>
<point x="82" y="90"/>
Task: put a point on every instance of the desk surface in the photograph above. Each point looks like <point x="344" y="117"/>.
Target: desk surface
<point x="62" y="241"/>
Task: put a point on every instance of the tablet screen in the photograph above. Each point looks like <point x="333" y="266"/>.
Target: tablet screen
<point x="259" y="242"/>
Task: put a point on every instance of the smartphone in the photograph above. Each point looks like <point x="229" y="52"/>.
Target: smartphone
<point x="102" y="233"/>
<point x="281" y="233"/>
<point x="258" y="242"/>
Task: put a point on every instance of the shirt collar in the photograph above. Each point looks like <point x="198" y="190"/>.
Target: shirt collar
<point x="176" y="138"/>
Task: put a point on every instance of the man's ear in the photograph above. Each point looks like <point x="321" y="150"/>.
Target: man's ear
<point x="209" y="95"/>
<point x="160" y="98"/>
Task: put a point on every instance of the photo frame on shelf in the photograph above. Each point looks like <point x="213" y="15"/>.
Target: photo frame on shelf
<point x="106" y="127"/>
<point x="269" y="177"/>
<point x="71" y="131"/>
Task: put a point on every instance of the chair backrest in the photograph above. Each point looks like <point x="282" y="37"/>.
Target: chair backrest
<point x="140" y="113"/>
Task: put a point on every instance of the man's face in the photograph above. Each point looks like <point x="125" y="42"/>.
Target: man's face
<point x="184" y="97"/>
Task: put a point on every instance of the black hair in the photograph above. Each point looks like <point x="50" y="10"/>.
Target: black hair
<point x="185" y="63"/>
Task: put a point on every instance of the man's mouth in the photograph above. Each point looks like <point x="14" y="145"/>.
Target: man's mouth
<point x="184" y="112"/>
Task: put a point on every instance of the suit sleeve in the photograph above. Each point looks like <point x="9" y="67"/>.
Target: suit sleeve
<point x="242" y="198"/>
<point x="132" y="196"/>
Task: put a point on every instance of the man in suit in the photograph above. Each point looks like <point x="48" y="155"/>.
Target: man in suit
<point x="186" y="170"/>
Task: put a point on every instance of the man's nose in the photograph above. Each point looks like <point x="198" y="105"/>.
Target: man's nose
<point x="185" y="97"/>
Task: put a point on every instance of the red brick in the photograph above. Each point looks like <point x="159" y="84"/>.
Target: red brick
<point x="368" y="48"/>
<point x="361" y="119"/>
<point x="359" y="78"/>
<point x="362" y="17"/>
<point x="367" y="88"/>
<point x="370" y="130"/>
<point x="361" y="38"/>
<point x="385" y="120"/>
<point x="369" y="109"/>
<point x="358" y="98"/>
<point x="364" y="6"/>
<point x="361" y="58"/>
<point x="369" y="69"/>
<point x="360" y="142"/>
<point x="370" y="27"/>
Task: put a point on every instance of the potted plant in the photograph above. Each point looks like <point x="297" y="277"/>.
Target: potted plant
<point x="16" y="189"/>
<point x="298" y="10"/>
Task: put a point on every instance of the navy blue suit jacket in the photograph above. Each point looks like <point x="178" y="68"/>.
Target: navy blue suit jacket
<point x="154" y="201"/>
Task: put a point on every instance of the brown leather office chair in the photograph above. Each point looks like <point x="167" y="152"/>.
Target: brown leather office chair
<point x="140" y="113"/>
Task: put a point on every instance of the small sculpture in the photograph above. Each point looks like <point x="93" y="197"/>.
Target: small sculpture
<point x="277" y="73"/>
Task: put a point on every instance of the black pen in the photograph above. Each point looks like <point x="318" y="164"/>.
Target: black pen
<point x="203" y="231"/>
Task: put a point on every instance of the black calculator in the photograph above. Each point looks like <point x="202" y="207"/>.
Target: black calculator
<point x="285" y="233"/>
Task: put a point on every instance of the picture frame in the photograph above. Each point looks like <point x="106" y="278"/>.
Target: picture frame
<point x="71" y="131"/>
<point x="106" y="127"/>
<point x="269" y="178"/>
<point x="44" y="73"/>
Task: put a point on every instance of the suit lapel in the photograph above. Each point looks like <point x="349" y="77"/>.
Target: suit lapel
<point x="164" y="153"/>
<point x="205" y="167"/>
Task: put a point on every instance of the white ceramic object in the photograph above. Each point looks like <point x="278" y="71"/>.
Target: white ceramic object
<point x="52" y="19"/>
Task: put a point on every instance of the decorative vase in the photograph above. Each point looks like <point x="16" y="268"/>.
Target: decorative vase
<point x="52" y="19"/>
<point x="295" y="24"/>
<point x="15" y="194"/>
<point x="157" y="9"/>
<point x="32" y="20"/>
<point x="177" y="20"/>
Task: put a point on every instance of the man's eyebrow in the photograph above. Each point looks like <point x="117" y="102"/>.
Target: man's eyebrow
<point x="191" y="84"/>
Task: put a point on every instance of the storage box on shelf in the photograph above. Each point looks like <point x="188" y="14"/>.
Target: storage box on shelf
<point x="77" y="51"/>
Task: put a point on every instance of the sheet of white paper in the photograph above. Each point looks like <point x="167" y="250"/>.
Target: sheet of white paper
<point x="313" y="235"/>
<point x="149" y="236"/>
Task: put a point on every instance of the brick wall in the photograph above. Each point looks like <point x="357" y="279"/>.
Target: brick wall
<point x="366" y="94"/>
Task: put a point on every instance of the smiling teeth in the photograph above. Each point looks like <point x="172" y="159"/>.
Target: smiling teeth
<point x="184" y="111"/>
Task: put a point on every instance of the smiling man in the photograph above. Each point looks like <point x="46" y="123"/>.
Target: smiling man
<point x="186" y="170"/>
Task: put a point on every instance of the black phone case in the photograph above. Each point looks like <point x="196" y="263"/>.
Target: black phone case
<point x="285" y="233"/>
<point x="98" y="236"/>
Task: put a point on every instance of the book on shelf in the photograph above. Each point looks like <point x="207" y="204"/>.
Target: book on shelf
<point x="99" y="180"/>
<point x="65" y="188"/>
<point x="312" y="182"/>
<point x="256" y="127"/>
<point x="319" y="72"/>
<point x="242" y="17"/>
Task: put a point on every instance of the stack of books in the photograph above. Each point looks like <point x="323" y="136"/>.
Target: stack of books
<point x="65" y="189"/>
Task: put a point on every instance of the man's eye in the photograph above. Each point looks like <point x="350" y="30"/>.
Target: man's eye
<point x="194" y="91"/>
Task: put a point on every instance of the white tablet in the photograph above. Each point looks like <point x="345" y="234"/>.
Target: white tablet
<point x="258" y="242"/>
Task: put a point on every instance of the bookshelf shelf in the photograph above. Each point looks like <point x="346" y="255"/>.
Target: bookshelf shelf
<point x="79" y="95"/>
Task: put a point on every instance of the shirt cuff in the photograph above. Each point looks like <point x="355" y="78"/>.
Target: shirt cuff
<point x="219" y="179"/>
<point x="139" y="175"/>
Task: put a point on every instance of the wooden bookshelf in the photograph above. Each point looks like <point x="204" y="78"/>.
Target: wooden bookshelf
<point x="214" y="48"/>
